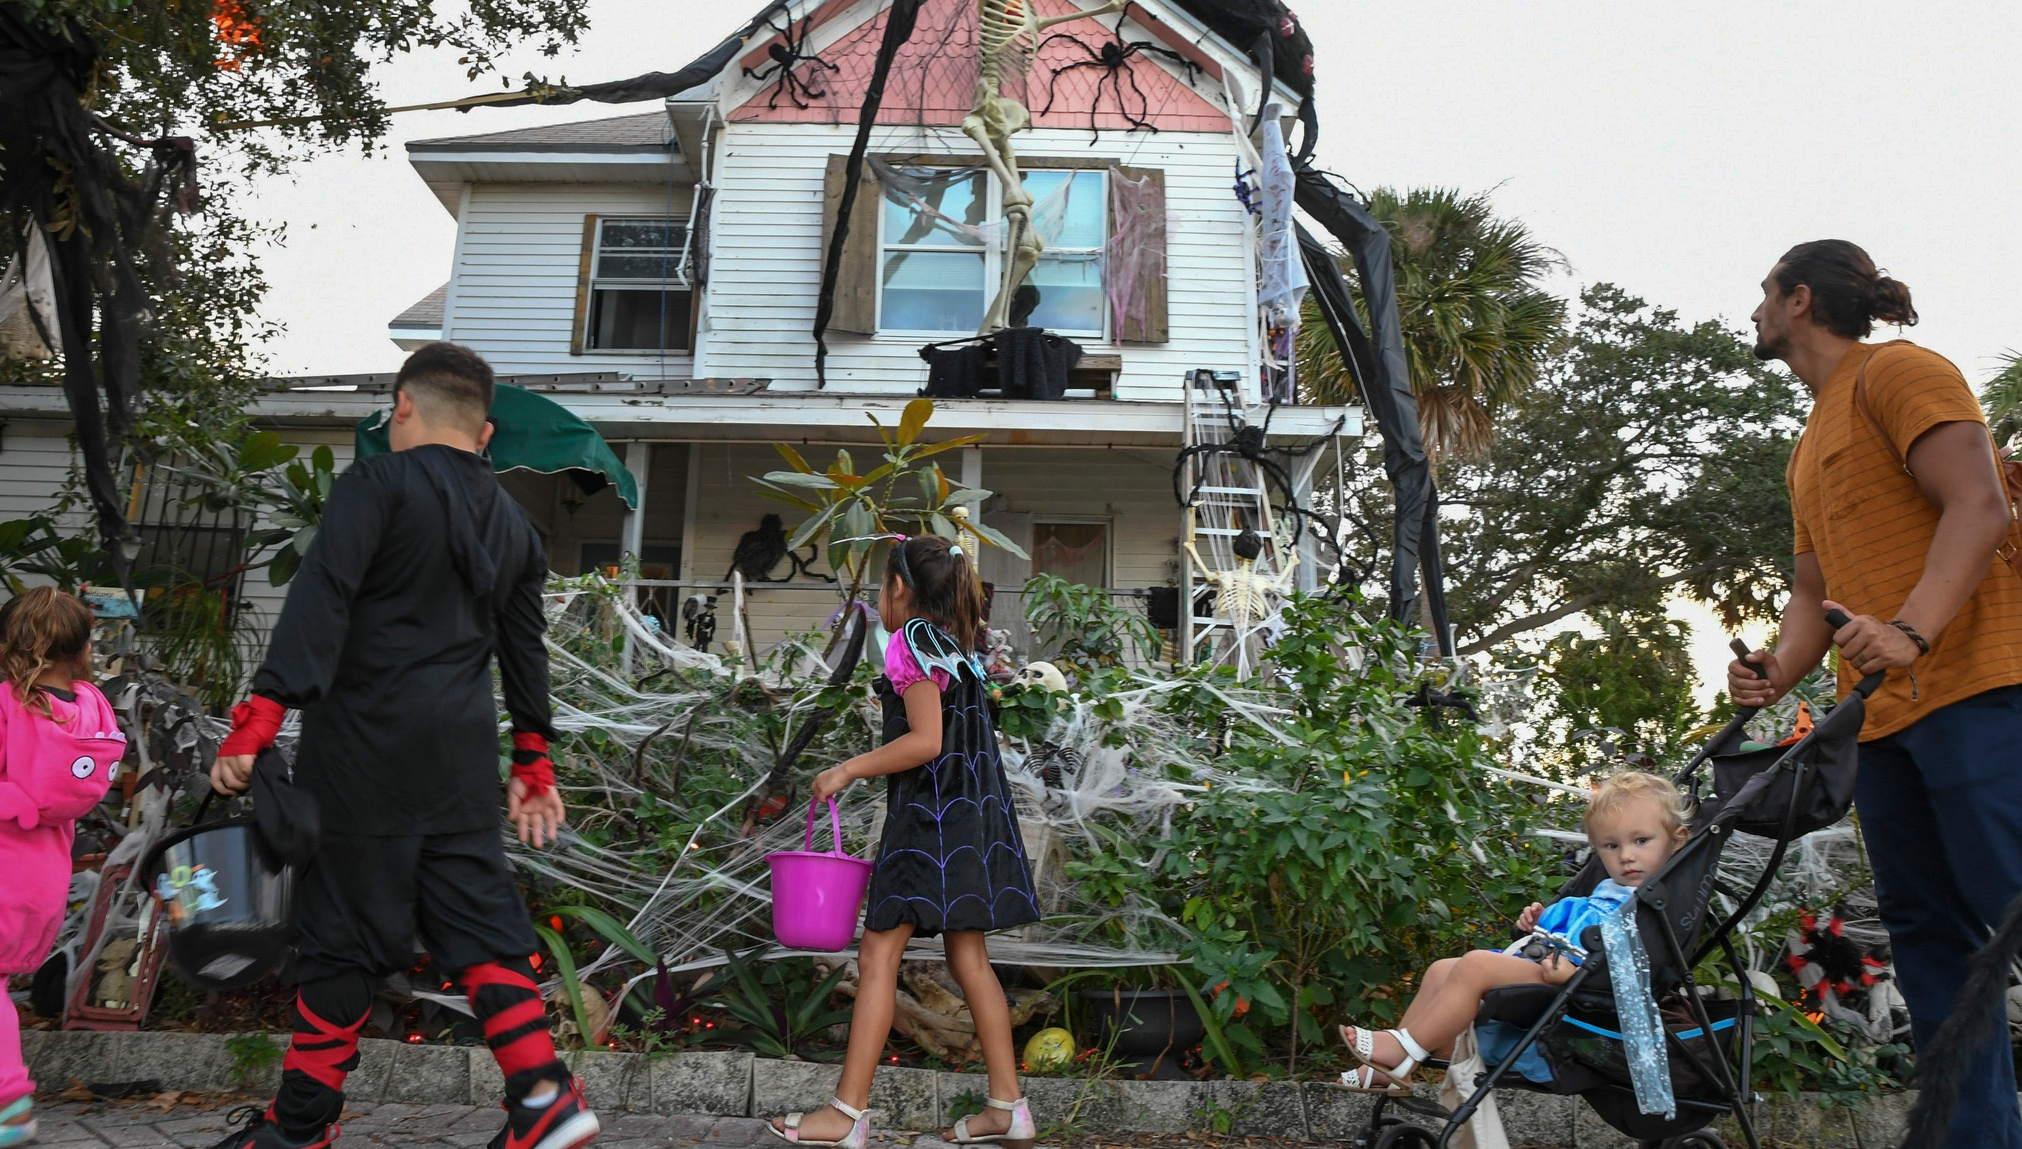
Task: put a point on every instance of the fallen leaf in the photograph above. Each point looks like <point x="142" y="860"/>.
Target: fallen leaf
<point x="77" y="1092"/>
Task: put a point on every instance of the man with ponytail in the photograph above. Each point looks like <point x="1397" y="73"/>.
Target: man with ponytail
<point x="423" y="571"/>
<point x="1903" y="521"/>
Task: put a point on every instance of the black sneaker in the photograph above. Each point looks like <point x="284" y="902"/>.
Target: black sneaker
<point x="260" y="1132"/>
<point x="564" y="1123"/>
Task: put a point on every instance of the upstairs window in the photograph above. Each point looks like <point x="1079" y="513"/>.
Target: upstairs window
<point x="636" y="293"/>
<point x="942" y="255"/>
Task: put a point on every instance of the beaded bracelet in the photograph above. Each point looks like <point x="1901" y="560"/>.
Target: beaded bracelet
<point x="1923" y="647"/>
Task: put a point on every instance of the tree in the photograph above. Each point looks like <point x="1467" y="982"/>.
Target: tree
<point x="1647" y="461"/>
<point x="2002" y="397"/>
<point x="1478" y="325"/>
<point x="1621" y="696"/>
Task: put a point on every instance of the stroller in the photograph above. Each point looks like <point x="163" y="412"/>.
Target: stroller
<point x="1571" y="1035"/>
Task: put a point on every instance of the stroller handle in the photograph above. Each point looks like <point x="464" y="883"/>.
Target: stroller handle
<point x="1837" y="619"/>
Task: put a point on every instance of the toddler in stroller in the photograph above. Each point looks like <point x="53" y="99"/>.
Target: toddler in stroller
<point x="1635" y="822"/>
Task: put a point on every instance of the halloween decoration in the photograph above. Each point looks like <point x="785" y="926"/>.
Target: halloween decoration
<point x="760" y="551"/>
<point x="698" y="620"/>
<point x="1243" y="597"/>
<point x="1112" y="59"/>
<point x="1836" y="972"/>
<point x="1008" y="39"/>
<point x="1250" y="444"/>
<point x="1042" y="676"/>
<point x="787" y="56"/>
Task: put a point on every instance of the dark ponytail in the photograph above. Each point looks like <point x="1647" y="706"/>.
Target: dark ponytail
<point x="1848" y="294"/>
<point x="943" y="583"/>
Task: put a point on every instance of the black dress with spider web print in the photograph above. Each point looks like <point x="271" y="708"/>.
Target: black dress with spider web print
<point x="951" y="858"/>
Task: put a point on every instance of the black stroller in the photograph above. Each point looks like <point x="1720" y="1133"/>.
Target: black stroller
<point x="1781" y="793"/>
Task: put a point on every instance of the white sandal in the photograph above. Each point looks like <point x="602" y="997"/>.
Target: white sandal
<point x="859" y="1135"/>
<point x="1023" y="1132"/>
<point x="1364" y="1080"/>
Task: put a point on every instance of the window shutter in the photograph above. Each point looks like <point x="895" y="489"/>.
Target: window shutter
<point x="856" y="288"/>
<point x="577" y="336"/>
<point x="1137" y="252"/>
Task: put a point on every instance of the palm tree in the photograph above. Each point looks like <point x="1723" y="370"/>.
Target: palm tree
<point x="2002" y="397"/>
<point x="1478" y="325"/>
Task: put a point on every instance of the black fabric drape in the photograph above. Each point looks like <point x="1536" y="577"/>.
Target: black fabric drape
<point x="657" y="85"/>
<point x="1384" y="380"/>
<point x="899" y="24"/>
<point x="1032" y="363"/>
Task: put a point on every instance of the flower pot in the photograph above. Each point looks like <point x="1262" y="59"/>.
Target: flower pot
<point x="1153" y="1029"/>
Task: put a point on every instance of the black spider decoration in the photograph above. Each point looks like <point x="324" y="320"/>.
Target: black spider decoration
<point x="786" y="58"/>
<point x="1251" y="443"/>
<point x="759" y="551"/>
<point x="1113" y="57"/>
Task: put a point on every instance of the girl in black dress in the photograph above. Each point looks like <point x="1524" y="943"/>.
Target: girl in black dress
<point x="951" y="861"/>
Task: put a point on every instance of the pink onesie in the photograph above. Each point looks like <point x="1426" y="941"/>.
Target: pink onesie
<point x="52" y="772"/>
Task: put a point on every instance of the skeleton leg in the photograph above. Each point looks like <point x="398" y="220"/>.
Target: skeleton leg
<point x="1109" y="9"/>
<point x="991" y="126"/>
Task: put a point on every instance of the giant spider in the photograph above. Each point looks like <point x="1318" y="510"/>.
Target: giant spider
<point x="1113" y="57"/>
<point x="786" y="56"/>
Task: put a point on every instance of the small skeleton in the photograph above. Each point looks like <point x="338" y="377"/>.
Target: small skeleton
<point x="1243" y="597"/>
<point x="1008" y="34"/>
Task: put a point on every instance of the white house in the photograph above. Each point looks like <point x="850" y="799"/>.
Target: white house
<point x="658" y="271"/>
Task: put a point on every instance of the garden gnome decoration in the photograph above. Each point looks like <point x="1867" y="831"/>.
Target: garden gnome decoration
<point x="1008" y="38"/>
<point x="1243" y="597"/>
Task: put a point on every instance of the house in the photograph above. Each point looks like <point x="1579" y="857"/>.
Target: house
<point x="657" y="272"/>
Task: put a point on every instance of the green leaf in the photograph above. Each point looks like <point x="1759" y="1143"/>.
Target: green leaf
<point x="1216" y="1037"/>
<point x="793" y="458"/>
<point x="812" y="527"/>
<point x="565" y="966"/>
<point x="949" y="445"/>
<point x="286" y="562"/>
<point x="996" y="539"/>
<point x="611" y="930"/>
<point x="797" y="479"/>
<point x="303" y="538"/>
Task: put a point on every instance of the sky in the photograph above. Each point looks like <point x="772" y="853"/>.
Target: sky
<point x="1675" y="150"/>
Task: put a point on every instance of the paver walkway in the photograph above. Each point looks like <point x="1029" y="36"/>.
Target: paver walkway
<point x="176" y="1123"/>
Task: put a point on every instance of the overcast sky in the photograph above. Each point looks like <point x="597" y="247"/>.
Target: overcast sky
<point x="1674" y="149"/>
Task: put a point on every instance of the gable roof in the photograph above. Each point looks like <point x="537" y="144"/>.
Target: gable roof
<point x="645" y="132"/>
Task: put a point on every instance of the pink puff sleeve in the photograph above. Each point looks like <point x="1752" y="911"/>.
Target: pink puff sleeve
<point x="903" y="670"/>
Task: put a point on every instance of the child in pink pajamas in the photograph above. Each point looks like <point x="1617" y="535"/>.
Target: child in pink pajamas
<point x="59" y="744"/>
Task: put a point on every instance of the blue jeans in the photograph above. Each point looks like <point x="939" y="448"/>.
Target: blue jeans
<point x="1941" y="810"/>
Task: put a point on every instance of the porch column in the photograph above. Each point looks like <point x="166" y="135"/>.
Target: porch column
<point x="639" y="461"/>
<point x="972" y="471"/>
<point x="1307" y="577"/>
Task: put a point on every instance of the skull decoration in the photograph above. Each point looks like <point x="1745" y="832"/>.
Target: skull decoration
<point x="1042" y="676"/>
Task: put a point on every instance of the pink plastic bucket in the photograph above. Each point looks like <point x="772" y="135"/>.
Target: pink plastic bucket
<point x="816" y="897"/>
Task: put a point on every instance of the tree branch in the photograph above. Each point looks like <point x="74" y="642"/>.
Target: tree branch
<point x="1574" y="606"/>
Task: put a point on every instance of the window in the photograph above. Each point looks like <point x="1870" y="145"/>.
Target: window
<point x="1077" y="552"/>
<point x="637" y="290"/>
<point x="938" y="273"/>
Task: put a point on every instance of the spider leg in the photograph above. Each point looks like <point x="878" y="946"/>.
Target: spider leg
<point x="1143" y="102"/>
<point x="1055" y="78"/>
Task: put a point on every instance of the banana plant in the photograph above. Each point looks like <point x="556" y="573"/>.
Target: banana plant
<point x="852" y="511"/>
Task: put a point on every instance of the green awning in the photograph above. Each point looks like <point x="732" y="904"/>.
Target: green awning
<point x="534" y="433"/>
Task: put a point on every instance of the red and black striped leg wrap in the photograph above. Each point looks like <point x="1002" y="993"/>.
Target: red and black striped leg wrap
<point x="329" y="1013"/>
<point x="515" y="1021"/>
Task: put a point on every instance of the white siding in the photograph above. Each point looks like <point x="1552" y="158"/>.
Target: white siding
<point x="766" y="257"/>
<point x="513" y="289"/>
<point x="35" y="457"/>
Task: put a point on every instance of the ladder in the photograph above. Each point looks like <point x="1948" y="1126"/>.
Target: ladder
<point x="1232" y="495"/>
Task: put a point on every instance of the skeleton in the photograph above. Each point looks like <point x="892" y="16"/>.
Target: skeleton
<point x="1008" y="34"/>
<point x="1042" y="676"/>
<point x="1243" y="597"/>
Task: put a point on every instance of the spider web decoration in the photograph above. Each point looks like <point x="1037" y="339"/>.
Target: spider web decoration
<point x="788" y="55"/>
<point x="1112" y="59"/>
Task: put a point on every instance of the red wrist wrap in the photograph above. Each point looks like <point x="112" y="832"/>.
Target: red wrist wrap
<point x="531" y="764"/>
<point x="256" y="722"/>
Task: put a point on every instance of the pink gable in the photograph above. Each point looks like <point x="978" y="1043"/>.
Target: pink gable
<point x="933" y="80"/>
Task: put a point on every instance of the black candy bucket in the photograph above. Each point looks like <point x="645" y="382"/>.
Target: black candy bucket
<point x="229" y="909"/>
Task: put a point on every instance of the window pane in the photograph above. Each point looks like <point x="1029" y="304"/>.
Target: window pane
<point x="636" y="320"/>
<point x="1077" y="552"/>
<point x="657" y="266"/>
<point x="636" y="233"/>
<point x="1081" y="214"/>
<point x="1070" y="293"/>
<point x="932" y="291"/>
<point x="962" y="198"/>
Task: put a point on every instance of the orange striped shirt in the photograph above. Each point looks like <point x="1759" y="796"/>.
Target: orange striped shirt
<point x="1872" y="527"/>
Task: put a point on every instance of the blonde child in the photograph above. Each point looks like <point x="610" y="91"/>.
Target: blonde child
<point x="1635" y="823"/>
<point x="951" y="861"/>
<point x="59" y="744"/>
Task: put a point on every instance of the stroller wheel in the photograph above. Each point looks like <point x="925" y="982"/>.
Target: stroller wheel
<point x="1407" y="1137"/>
<point x="1701" y="1139"/>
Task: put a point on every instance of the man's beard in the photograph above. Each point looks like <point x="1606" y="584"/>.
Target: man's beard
<point x="1768" y="349"/>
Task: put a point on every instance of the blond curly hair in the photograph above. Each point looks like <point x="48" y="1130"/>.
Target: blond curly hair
<point x="1618" y="790"/>
<point x="41" y="628"/>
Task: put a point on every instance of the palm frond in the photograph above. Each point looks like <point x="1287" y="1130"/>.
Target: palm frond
<point x="2002" y="398"/>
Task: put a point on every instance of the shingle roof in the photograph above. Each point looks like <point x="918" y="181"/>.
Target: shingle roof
<point x="649" y="131"/>
<point x="426" y="311"/>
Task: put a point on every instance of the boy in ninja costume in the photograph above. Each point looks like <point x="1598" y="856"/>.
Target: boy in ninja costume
<point x="424" y="568"/>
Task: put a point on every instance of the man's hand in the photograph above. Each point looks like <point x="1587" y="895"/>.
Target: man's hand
<point x="1870" y="645"/>
<point x="1746" y="689"/>
<point x="540" y="820"/>
<point x="832" y="781"/>
<point x="1528" y="920"/>
<point x="231" y="773"/>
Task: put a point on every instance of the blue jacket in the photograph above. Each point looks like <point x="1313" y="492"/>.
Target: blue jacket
<point x="1568" y="918"/>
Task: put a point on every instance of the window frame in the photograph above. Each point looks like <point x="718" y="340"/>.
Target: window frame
<point x="1108" y="525"/>
<point x="993" y="256"/>
<point x="679" y="281"/>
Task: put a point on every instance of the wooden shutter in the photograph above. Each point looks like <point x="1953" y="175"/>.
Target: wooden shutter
<point x="579" y="335"/>
<point x="1151" y="326"/>
<point x="856" y="288"/>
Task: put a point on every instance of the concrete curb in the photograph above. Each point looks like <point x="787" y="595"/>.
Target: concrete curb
<point x="738" y="1084"/>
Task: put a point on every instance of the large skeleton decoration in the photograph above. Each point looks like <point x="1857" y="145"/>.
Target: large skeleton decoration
<point x="1008" y="34"/>
<point x="1244" y="598"/>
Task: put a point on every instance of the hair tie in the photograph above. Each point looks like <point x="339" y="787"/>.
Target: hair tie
<point x="955" y="549"/>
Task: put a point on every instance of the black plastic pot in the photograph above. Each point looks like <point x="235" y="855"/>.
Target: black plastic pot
<point x="229" y="908"/>
<point x="1153" y="1029"/>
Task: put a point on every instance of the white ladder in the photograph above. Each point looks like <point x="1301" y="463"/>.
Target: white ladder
<point x="1232" y="495"/>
